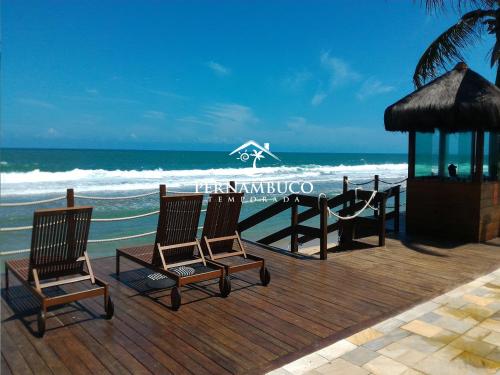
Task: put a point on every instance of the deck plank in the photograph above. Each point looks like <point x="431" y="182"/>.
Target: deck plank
<point x="308" y="304"/>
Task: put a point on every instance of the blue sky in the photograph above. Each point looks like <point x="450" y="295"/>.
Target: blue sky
<point x="209" y="75"/>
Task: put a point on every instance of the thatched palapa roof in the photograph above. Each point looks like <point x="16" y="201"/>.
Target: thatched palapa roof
<point x="460" y="100"/>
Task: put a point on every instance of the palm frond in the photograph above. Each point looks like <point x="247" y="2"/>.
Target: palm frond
<point x="495" y="54"/>
<point x="447" y="48"/>
<point x="459" y="5"/>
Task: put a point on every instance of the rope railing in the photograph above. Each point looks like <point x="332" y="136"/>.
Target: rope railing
<point x="356" y="214"/>
<point x="14" y="229"/>
<point x="123" y="238"/>
<point x="97" y="220"/>
<point x="359" y="183"/>
<point x="32" y="203"/>
<point x="116" y="198"/>
<point x="103" y="220"/>
<point x="394" y="183"/>
<point x="70" y="197"/>
<point x="14" y="252"/>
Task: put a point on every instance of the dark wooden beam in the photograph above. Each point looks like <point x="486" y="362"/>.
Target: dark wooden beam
<point x="276" y="236"/>
<point x="308" y="231"/>
<point x="264" y="214"/>
<point x="442" y="154"/>
<point x="478" y="176"/>
<point x="411" y="154"/>
<point x="323" y="227"/>
<point x="70" y="198"/>
<point x="330" y="228"/>
<point x="294" y="221"/>
<point x="332" y="202"/>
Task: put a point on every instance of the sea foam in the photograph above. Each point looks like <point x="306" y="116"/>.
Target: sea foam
<point x="85" y="180"/>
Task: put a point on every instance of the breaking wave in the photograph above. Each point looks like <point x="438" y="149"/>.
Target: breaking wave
<point x="41" y="182"/>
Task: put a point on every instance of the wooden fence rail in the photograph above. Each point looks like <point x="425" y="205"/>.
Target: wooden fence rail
<point x="349" y="203"/>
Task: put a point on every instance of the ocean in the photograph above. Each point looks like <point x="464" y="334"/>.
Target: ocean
<point x="39" y="174"/>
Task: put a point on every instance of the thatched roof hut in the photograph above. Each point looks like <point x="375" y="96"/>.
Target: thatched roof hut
<point x="460" y="100"/>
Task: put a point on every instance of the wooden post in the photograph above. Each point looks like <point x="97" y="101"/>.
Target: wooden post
<point x="323" y="228"/>
<point x="397" y="201"/>
<point x="163" y="190"/>
<point x="478" y="176"/>
<point x="473" y="155"/>
<point x="70" y="198"/>
<point x="493" y="148"/>
<point x="294" y="238"/>
<point x="442" y="154"/>
<point x="411" y="153"/>
<point x="376" y="181"/>
<point x="232" y="187"/>
<point x="381" y="234"/>
<point x="345" y="187"/>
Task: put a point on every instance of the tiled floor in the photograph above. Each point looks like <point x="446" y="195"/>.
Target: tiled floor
<point x="456" y="333"/>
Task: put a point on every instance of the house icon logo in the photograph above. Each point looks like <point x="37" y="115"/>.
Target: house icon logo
<point x="252" y="149"/>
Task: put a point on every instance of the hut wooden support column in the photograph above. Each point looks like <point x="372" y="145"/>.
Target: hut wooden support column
<point x="466" y="205"/>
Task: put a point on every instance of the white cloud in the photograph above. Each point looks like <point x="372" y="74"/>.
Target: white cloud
<point x="99" y="98"/>
<point x="194" y="120"/>
<point x="296" y="80"/>
<point x="155" y="115"/>
<point x="220" y="123"/>
<point x="231" y="113"/>
<point x="338" y="73"/>
<point x="36" y="103"/>
<point x="372" y="87"/>
<point x="318" y="98"/>
<point x="219" y="69"/>
<point x="339" y="70"/>
<point x="296" y="123"/>
<point x="332" y="137"/>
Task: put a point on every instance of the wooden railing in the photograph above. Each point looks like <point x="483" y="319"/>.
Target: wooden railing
<point x="299" y="234"/>
<point x="392" y="212"/>
<point x="348" y="203"/>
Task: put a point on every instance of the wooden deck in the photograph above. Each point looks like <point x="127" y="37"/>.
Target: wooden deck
<point x="309" y="304"/>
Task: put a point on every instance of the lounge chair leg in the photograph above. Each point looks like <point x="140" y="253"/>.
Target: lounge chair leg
<point x="225" y="286"/>
<point x="176" y="298"/>
<point x="117" y="266"/>
<point x="109" y="307"/>
<point x="265" y="276"/>
<point x="41" y="323"/>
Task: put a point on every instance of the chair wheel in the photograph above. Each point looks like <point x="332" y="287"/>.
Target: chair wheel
<point x="41" y="323"/>
<point x="265" y="276"/>
<point x="175" y="297"/>
<point x="225" y="286"/>
<point x="110" y="308"/>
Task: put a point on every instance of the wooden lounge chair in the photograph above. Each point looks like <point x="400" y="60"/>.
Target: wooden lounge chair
<point x="175" y="246"/>
<point x="58" y="251"/>
<point x="221" y="240"/>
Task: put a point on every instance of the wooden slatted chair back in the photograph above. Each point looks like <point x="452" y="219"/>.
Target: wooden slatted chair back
<point x="58" y="240"/>
<point x="221" y="219"/>
<point x="177" y="223"/>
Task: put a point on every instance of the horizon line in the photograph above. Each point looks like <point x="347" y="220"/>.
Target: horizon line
<point x="186" y="150"/>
